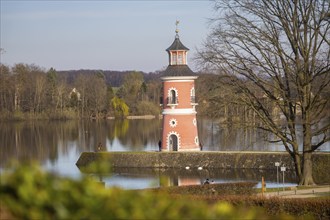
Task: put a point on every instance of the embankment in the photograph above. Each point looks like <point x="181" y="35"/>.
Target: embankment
<point x="222" y="160"/>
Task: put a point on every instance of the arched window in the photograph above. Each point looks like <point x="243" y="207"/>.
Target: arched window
<point x="192" y="96"/>
<point x="173" y="97"/>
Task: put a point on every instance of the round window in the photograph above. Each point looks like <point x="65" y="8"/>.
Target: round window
<point x="173" y="122"/>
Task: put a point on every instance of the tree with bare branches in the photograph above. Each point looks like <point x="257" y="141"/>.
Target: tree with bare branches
<point x="277" y="56"/>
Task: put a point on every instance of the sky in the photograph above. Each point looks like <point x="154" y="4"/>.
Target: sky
<point x="105" y="35"/>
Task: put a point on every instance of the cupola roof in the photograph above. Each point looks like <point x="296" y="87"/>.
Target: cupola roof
<point x="178" y="58"/>
<point x="177" y="45"/>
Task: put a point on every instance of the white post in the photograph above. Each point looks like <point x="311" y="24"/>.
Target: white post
<point x="283" y="170"/>
<point x="277" y="164"/>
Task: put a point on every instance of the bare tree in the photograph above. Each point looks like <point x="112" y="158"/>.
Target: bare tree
<point x="6" y="89"/>
<point x="93" y="94"/>
<point x="40" y="91"/>
<point x="131" y="90"/>
<point x="278" y="52"/>
<point x="96" y="94"/>
<point x="82" y="87"/>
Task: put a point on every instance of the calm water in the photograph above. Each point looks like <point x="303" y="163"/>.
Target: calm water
<point x="57" y="145"/>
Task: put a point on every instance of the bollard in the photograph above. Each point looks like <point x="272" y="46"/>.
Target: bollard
<point x="263" y="185"/>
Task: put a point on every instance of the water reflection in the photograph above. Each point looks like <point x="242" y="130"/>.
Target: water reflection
<point x="57" y="145"/>
<point x="233" y="137"/>
<point x="236" y="137"/>
<point x="150" y="178"/>
<point x="47" y="142"/>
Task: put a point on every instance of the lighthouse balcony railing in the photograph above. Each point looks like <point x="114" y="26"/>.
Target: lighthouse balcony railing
<point x="172" y="101"/>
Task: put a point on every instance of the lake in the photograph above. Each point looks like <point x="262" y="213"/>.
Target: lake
<point x="57" y="145"/>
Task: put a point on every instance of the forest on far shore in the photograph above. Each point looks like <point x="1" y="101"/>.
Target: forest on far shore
<point x="31" y="92"/>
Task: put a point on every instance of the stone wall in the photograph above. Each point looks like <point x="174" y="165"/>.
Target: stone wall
<point x="236" y="160"/>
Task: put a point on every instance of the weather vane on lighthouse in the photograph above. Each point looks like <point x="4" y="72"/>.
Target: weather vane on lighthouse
<point x="176" y="24"/>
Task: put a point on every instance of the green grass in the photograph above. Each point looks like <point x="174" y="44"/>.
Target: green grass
<point x="268" y="190"/>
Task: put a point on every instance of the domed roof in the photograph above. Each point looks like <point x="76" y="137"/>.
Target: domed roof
<point x="177" y="45"/>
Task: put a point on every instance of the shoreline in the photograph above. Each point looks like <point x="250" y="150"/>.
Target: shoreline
<point x="203" y="160"/>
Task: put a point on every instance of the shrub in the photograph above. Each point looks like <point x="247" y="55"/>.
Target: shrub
<point x="274" y="206"/>
<point x="63" y="115"/>
<point x="119" y="107"/>
<point x="239" y="188"/>
<point x="29" y="193"/>
<point x="147" y="108"/>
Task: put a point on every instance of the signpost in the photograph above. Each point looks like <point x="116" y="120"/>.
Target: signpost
<point x="283" y="169"/>
<point x="277" y="164"/>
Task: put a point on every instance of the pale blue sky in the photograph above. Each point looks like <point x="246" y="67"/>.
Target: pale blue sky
<point x="107" y="35"/>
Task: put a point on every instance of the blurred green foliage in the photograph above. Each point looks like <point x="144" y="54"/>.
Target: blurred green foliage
<point x="27" y="192"/>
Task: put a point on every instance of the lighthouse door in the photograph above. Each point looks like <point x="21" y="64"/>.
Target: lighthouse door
<point x="173" y="141"/>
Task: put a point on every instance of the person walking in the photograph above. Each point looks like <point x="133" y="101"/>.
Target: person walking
<point x="160" y="145"/>
<point x="200" y="146"/>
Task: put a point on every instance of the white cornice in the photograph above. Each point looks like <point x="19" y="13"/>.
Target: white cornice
<point x="181" y="111"/>
<point x="179" y="78"/>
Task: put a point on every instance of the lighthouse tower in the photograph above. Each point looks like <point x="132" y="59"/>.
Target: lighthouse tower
<point x="179" y="113"/>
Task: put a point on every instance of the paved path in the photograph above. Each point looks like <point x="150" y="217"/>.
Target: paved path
<point x="316" y="191"/>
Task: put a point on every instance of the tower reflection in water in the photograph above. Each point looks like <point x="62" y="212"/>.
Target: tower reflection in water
<point x="141" y="178"/>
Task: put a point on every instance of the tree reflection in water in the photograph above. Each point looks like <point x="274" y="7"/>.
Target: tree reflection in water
<point x="57" y="145"/>
<point x="149" y="177"/>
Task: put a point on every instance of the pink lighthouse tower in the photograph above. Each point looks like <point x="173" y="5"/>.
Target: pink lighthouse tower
<point x="179" y="113"/>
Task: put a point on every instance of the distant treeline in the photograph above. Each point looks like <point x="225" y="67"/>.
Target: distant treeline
<point x="113" y="78"/>
<point x="216" y="97"/>
<point x="29" y="91"/>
